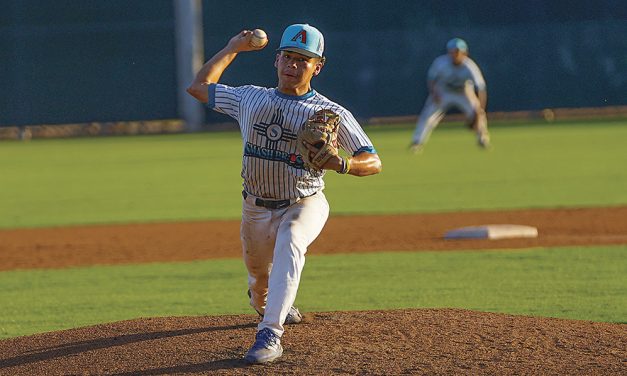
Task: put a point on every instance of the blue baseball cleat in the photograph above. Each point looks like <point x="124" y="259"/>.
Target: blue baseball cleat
<point x="267" y="347"/>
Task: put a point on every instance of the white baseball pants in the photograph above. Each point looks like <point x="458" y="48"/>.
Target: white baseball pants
<point x="432" y="113"/>
<point x="274" y="243"/>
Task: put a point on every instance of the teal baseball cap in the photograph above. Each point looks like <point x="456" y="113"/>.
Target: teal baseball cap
<point x="303" y="39"/>
<point x="457" y="44"/>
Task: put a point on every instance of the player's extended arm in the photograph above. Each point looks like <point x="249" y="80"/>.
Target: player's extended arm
<point x="483" y="98"/>
<point x="212" y="70"/>
<point x="362" y="164"/>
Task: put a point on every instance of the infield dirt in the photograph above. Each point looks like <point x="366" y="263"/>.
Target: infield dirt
<point x="413" y="341"/>
<point x="185" y="241"/>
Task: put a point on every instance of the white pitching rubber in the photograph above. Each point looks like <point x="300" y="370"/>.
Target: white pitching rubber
<point x="493" y="232"/>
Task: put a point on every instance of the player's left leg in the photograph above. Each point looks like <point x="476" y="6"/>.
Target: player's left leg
<point x="299" y="227"/>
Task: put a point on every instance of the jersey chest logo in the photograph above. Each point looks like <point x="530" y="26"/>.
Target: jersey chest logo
<point x="273" y="131"/>
<point x="273" y="134"/>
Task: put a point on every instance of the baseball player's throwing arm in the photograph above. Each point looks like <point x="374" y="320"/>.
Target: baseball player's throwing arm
<point x="212" y="70"/>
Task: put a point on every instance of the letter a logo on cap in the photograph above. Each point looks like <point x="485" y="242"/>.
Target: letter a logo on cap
<point x="303" y="39"/>
<point x="302" y="35"/>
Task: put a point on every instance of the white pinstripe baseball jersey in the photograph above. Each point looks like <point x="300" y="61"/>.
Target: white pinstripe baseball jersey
<point x="455" y="78"/>
<point x="269" y="122"/>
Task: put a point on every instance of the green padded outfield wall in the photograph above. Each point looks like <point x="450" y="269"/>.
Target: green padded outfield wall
<point x="84" y="60"/>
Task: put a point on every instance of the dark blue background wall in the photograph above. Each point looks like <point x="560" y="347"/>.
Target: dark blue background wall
<point x="78" y="61"/>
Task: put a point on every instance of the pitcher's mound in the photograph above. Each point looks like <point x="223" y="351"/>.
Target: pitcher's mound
<point x="409" y="341"/>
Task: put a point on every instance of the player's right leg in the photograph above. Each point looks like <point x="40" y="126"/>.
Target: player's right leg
<point x="429" y="118"/>
<point x="258" y="235"/>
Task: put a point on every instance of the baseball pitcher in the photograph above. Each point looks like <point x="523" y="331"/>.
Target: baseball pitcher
<point x="454" y="81"/>
<point x="291" y="137"/>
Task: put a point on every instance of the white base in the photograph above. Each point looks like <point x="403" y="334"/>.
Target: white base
<point x="493" y="232"/>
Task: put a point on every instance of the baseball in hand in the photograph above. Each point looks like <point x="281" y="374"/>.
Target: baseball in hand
<point x="259" y="38"/>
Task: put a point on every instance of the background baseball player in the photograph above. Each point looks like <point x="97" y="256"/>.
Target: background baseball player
<point x="452" y="80"/>
<point x="284" y="208"/>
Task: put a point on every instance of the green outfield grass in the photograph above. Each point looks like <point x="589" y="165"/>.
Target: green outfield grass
<point x="575" y="283"/>
<point x="196" y="177"/>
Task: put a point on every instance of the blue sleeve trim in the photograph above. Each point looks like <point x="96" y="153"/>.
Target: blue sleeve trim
<point x="211" y="91"/>
<point x="365" y="149"/>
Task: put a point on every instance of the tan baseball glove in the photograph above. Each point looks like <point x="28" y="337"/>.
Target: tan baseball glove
<point x="317" y="138"/>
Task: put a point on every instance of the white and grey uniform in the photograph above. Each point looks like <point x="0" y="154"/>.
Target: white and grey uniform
<point x="284" y="208"/>
<point x="456" y="86"/>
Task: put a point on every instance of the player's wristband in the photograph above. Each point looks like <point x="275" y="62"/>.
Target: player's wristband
<point x="346" y="166"/>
